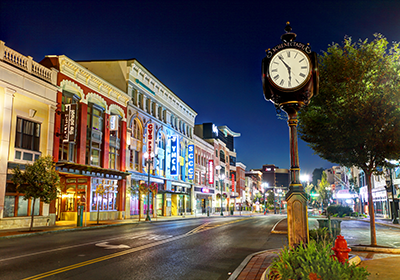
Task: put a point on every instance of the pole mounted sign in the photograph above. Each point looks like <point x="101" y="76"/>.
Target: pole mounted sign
<point x="150" y="141"/>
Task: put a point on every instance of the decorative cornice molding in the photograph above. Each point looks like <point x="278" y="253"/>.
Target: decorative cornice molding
<point x="75" y="71"/>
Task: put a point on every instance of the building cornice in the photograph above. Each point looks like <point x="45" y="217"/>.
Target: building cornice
<point x="79" y="73"/>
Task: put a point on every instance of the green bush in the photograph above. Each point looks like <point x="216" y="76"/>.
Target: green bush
<point x="340" y="210"/>
<point x="313" y="261"/>
<point x="321" y="236"/>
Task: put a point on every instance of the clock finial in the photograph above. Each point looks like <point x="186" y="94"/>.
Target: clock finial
<point x="288" y="36"/>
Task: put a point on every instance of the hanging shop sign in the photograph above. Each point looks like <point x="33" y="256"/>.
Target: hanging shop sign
<point x="174" y="155"/>
<point x="191" y="162"/>
<point x="150" y="139"/>
<point x="210" y="167"/>
<point x="114" y="123"/>
<point x="69" y="123"/>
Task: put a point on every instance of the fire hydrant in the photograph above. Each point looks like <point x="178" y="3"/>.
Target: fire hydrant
<point x="341" y="250"/>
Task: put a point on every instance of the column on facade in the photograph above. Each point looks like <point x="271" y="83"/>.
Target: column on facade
<point x="106" y="141"/>
<point x="5" y="143"/>
<point x="58" y="128"/>
<point x="82" y="133"/>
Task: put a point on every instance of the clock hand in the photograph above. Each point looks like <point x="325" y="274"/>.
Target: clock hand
<point x="287" y="66"/>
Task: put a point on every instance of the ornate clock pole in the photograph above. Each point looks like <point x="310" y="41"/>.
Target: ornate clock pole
<point x="290" y="78"/>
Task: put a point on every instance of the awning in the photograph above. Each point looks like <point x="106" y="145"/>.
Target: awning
<point x="88" y="170"/>
<point x="142" y="177"/>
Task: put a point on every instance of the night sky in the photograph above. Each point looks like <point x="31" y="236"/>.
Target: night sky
<point x="207" y="52"/>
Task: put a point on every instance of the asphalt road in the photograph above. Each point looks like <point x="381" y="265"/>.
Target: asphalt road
<point x="208" y="248"/>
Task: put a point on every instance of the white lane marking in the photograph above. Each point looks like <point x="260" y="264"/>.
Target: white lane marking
<point x="107" y="246"/>
<point x="70" y="247"/>
<point x="156" y="237"/>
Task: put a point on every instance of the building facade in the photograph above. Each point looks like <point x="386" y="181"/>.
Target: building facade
<point x="28" y="95"/>
<point x="151" y="102"/>
<point x="204" y="181"/>
<point x="89" y="143"/>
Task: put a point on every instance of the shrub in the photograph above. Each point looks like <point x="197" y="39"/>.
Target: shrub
<point x="340" y="210"/>
<point x="321" y="236"/>
<point x="313" y="261"/>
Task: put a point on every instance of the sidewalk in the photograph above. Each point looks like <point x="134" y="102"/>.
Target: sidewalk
<point x="381" y="263"/>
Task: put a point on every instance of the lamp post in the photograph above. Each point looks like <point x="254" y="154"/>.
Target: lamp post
<point x="148" y="161"/>
<point x="221" y="179"/>
<point x="265" y="186"/>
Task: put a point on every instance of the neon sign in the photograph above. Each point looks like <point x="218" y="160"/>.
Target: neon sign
<point x="210" y="171"/>
<point x="191" y="162"/>
<point x="174" y="155"/>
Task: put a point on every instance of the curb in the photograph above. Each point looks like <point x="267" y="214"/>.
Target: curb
<point x="278" y="231"/>
<point x="375" y="249"/>
<point x="244" y="263"/>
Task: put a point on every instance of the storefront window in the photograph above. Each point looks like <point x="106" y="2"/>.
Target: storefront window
<point x="104" y="194"/>
<point x="94" y="134"/>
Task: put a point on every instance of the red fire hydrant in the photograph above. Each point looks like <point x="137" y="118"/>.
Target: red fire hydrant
<point x="341" y="250"/>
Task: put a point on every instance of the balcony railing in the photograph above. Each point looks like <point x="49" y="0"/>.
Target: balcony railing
<point x="27" y="64"/>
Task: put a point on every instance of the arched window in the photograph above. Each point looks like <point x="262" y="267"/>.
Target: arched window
<point x="135" y="151"/>
<point x="94" y="138"/>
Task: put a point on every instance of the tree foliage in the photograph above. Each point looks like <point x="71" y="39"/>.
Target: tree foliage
<point x="316" y="175"/>
<point x="355" y="119"/>
<point x="38" y="181"/>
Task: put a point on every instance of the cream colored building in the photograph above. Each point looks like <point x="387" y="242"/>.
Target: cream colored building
<point x="28" y="102"/>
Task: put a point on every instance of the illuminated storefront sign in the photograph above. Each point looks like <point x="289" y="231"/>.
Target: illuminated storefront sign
<point x="69" y="123"/>
<point x="174" y="155"/>
<point x="205" y="190"/>
<point x="191" y="162"/>
<point x="150" y="139"/>
<point x="233" y="182"/>
<point x="210" y="172"/>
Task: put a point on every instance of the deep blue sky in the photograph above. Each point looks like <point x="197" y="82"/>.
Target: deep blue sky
<point x="207" y="52"/>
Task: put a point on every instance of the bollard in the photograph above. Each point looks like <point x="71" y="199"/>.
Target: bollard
<point x="341" y="250"/>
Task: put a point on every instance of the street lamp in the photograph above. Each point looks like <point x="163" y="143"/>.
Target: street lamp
<point x="265" y="186"/>
<point x="148" y="161"/>
<point x="221" y="179"/>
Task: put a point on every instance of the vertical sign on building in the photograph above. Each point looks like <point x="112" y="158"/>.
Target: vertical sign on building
<point x="69" y="123"/>
<point x="210" y="171"/>
<point x="233" y="183"/>
<point x="150" y="139"/>
<point x="114" y="123"/>
<point x="191" y="162"/>
<point x="174" y="155"/>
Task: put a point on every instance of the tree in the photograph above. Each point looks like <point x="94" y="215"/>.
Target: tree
<point x="324" y="191"/>
<point x="355" y="120"/>
<point x="316" y="175"/>
<point x="101" y="190"/>
<point x="38" y="181"/>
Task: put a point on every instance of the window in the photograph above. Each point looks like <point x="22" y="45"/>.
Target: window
<point x="16" y="206"/>
<point x="27" y="135"/>
<point x="94" y="135"/>
<point x="108" y="200"/>
<point x="114" y="142"/>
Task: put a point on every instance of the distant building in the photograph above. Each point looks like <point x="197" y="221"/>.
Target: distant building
<point x="275" y="176"/>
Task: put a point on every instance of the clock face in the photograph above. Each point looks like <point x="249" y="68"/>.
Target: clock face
<point x="289" y="69"/>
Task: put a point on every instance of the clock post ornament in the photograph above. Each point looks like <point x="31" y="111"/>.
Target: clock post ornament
<point x="290" y="78"/>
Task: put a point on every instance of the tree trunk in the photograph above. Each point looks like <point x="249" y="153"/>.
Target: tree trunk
<point x="33" y="213"/>
<point x="371" y="209"/>
<point x="98" y="211"/>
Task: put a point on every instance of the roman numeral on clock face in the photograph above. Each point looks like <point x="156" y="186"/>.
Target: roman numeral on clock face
<point x="288" y="54"/>
<point x="274" y="70"/>
<point x="276" y="77"/>
<point x="281" y="83"/>
<point x="302" y="75"/>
